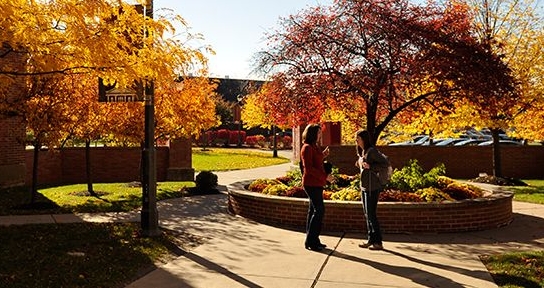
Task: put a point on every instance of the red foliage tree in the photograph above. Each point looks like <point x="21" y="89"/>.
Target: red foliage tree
<point x="389" y="53"/>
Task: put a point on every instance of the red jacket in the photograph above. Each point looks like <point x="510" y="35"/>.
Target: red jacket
<point x="312" y="160"/>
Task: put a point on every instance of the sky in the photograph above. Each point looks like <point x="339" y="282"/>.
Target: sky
<point x="234" y="28"/>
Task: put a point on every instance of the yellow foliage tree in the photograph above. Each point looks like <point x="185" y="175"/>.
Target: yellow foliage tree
<point x="186" y="108"/>
<point x="112" y="39"/>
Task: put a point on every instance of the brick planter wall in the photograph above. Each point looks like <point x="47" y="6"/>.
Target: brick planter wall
<point x="462" y="162"/>
<point x="395" y="217"/>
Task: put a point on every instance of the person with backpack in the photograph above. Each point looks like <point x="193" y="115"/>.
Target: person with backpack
<point x="371" y="162"/>
<point x="314" y="178"/>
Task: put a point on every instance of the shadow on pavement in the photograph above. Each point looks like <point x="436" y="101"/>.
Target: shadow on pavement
<point x="414" y="274"/>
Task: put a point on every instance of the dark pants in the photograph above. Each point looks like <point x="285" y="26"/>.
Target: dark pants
<point x="370" y="205"/>
<point x="316" y="210"/>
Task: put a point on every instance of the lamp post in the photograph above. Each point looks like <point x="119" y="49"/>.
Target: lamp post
<point x="149" y="214"/>
<point x="240" y="98"/>
<point x="275" y="142"/>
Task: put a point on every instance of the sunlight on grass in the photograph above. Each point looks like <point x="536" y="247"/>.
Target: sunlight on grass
<point x="518" y="269"/>
<point x="111" y="196"/>
<point x="534" y="193"/>
<point x="224" y="159"/>
<point x="119" y="196"/>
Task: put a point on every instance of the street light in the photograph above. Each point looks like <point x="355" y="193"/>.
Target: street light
<point x="275" y="142"/>
<point x="240" y="98"/>
<point x="149" y="215"/>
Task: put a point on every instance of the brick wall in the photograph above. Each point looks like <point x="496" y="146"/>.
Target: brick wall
<point x="395" y="217"/>
<point x="12" y="152"/>
<point x="108" y="164"/>
<point x="111" y="164"/>
<point x="461" y="162"/>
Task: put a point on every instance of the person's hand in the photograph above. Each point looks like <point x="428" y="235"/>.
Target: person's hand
<point x="360" y="162"/>
<point x="326" y="151"/>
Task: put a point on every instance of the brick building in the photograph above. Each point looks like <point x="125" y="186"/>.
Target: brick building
<point x="12" y="151"/>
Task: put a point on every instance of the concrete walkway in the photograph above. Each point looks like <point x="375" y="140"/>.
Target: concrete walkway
<point x="237" y="252"/>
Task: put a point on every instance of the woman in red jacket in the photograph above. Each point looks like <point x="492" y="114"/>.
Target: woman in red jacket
<point x="314" y="178"/>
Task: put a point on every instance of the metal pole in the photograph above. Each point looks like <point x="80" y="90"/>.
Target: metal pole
<point x="149" y="214"/>
<point x="240" y="133"/>
<point x="275" y="142"/>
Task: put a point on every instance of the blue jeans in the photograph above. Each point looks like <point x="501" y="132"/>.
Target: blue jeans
<point x="316" y="211"/>
<point x="370" y="205"/>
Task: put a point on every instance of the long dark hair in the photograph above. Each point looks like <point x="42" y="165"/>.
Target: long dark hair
<point x="309" y="136"/>
<point x="365" y="136"/>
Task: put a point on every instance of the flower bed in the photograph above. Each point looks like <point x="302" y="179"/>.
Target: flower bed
<point x="409" y="184"/>
<point x="489" y="212"/>
<point x="413" y="201"/>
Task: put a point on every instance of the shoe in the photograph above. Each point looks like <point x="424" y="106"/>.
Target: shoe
<point x="314" y="247"/>
<point x="376" y="247"/>
<point x="321" y="245"/>
<point x="365" y="245"/>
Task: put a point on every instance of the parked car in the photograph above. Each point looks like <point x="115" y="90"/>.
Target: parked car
<point x="470" y="141"/>
<point x="501" y="142"/>
<point x="416" y="140"/>
<point x="449" y="141"/>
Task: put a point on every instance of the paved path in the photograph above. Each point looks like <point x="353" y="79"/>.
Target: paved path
<point x="237" y="252"/>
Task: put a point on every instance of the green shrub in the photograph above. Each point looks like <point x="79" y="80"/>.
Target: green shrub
<point x="431" y="177"/>
<point x="206" y="181"/>
<point x="412" y="177"/>
<point x="296" y="177"/>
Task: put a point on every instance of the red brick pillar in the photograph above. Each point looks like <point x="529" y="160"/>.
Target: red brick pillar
<point x="12" y="130"/>
<point x="297" y="142"/>
<point x="332" y="134"/>
<point x="180" y="161"/>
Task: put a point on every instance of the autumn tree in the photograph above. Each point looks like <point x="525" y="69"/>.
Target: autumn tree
<point x="255" y="114"/>
<point x="98" y="38"/>
<point x="511" y="29"/>
<point x="183" y="109"/>
<point x="99" y="35"/>
<point x="44" y="109"/>
<point x="89" y="118"/>
<point x="391" y="54"/>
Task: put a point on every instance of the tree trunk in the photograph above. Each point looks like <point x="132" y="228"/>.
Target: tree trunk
<point x="371" y="123"/>
<point x="34" y="186"/>
<point x="88" y="168"/>
<point x="497" y="165"/>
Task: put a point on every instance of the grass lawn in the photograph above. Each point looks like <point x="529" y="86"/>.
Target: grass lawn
<point x="534" y="193"/>
<point x="98" y="254"/>
<point x="223" y="159"/>
<point x="112" y="197"/>
<point x="83" y="254"/>
<point x="517" y="269"/>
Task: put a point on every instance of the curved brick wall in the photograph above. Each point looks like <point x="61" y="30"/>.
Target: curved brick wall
<point x="395" y="217"/>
